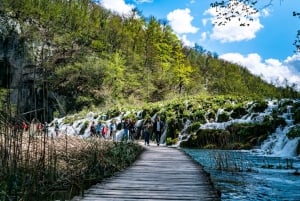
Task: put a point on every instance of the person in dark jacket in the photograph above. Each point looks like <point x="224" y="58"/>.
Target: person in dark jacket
<point x="158" y="127"/>
<point x="147" y="129"/>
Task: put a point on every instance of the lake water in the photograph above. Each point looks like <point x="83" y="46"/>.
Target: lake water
<point x="247" y="176"/>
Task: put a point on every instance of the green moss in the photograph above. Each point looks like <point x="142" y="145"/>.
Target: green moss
<point x="194" y="127"/>
<point x="223" y="117"/>
<point x="294" y="132"/>
<point x="296" y="116"/>
<point x="260" y="106"/>
<point x="238" y="111"/>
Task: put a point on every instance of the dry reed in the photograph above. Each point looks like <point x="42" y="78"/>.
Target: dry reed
<point x="36" y="166"/>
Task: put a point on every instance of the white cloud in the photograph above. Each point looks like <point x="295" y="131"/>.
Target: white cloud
<point x="118" y="6"/>
<point x="232" y="30"/>
<point x="271" y="70"/>
<point x="180" y="20"/>
<point x="203" y="36"/>
<point x="143" y="1"/>
<point x="187" y="42"/>
<point x="293" y="62"/>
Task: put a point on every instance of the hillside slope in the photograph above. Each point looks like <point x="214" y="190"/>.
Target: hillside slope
<point x="82" y="55"/>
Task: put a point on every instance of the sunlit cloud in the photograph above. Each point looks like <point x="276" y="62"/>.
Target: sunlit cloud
<point x="186" y="41"/>
<point x="181" y="21"/>
<point x="143" y="1"/>
<point x="271" y="70"/>
<point x="239" y="28"/>
<point x="118" y="6"/>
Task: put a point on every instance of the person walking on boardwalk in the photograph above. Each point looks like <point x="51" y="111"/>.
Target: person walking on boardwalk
<point x="126" y="127"/>
<point x="98" y="129"/>
<point x="113" y="129"/>
<point x="92" y="129"/>
<point x="147" y="129"/>
<point x="56" y="128"/>
<point x="158" y="128"/>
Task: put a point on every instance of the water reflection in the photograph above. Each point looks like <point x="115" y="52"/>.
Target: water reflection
<point x="244" y="176"/>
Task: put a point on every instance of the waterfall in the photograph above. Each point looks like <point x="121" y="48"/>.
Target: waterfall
<point x="278" y="143"/>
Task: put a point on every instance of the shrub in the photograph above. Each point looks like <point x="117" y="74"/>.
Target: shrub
<point x="194" y="126"/>
<point x="294" y="132"/>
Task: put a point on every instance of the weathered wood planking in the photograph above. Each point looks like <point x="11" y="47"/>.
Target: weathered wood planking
<point x="161" y="173"/>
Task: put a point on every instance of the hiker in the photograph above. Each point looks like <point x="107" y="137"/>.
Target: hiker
<point x="98" y="129"/>
<point x="104" y="131"/>
<point x="126" y="127"/>
<point x="147" y="129"/>
<point x="25" y="126"/>
<point x="132" y="129"/>
<point x="93" y="129"/>
<point x="56" y="128"/>
<point x="158" y="127"/>
<point x="113" y="129"/>
<point x="39" y="128"/>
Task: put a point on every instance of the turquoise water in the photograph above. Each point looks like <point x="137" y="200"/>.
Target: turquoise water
<point x="245" y="176"/>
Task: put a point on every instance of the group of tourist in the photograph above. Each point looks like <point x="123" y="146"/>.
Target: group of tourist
<point x="155" y="127"/>
<point x="102" y="129"/>
<point x="129" y="130"/>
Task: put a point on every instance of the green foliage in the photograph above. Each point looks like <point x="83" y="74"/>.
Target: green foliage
<point x="260" y="106"/>
<point x="100" y="58"/>
<point x="238" y="111"/>
<point x="194" y="127"/>
<point x="3" y="97"/>
<point x="296" y="115"/>
<point x="204" y="137"/>
<point x="171" y="141"/>
<point x="223" y="117"/>
<point x="294" y="132"/>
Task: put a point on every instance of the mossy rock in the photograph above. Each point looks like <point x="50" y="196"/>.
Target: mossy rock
<point x="296" y="116"/>
<point x="260" y="106"/>
<point x="238" y="112"/>
<point x="194" y="127"/>
<point x="210" y="146"/>
<point x="223" y="117"/>
<point x="204" y="137"/>
<point x="294" y="132"/>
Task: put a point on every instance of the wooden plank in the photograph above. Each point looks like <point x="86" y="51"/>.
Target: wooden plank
<point x="161" y="173"/>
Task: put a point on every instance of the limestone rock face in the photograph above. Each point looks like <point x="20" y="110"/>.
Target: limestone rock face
<point x="20" y="71"/>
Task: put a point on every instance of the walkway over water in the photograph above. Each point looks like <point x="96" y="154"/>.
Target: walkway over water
<point x="161" y="173"/>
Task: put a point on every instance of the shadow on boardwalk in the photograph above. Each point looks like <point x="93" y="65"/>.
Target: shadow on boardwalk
<point x="161" y="173"/>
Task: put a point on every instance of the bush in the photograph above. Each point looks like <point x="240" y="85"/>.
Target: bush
<point x="294" y="132"/>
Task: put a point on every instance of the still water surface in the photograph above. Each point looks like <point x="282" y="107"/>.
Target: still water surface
<point x="246" y="176"/>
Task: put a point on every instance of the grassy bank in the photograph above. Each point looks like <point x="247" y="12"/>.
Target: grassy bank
<point x="35" y="167"/>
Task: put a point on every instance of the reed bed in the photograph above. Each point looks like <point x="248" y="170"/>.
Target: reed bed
<point x="35" y="166"/>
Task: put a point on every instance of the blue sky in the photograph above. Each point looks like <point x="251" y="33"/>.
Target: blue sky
<point x="265" y="47"/>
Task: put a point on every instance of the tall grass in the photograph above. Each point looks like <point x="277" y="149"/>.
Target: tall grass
<point x="35" y="166"/>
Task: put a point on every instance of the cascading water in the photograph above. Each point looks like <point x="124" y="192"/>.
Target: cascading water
<point x="278" y="144"/>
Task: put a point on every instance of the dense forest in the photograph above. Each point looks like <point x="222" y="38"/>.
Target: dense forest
<point x="93" y="57"/>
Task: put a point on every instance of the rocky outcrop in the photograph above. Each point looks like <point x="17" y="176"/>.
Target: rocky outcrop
<point x="20" y="71"/>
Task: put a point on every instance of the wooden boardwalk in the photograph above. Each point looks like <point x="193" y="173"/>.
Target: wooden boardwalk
<point x="161" y="173"/>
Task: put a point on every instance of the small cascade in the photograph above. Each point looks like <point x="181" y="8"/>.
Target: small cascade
<point x="164" y="136"/>
<point x="278" y="143"/>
